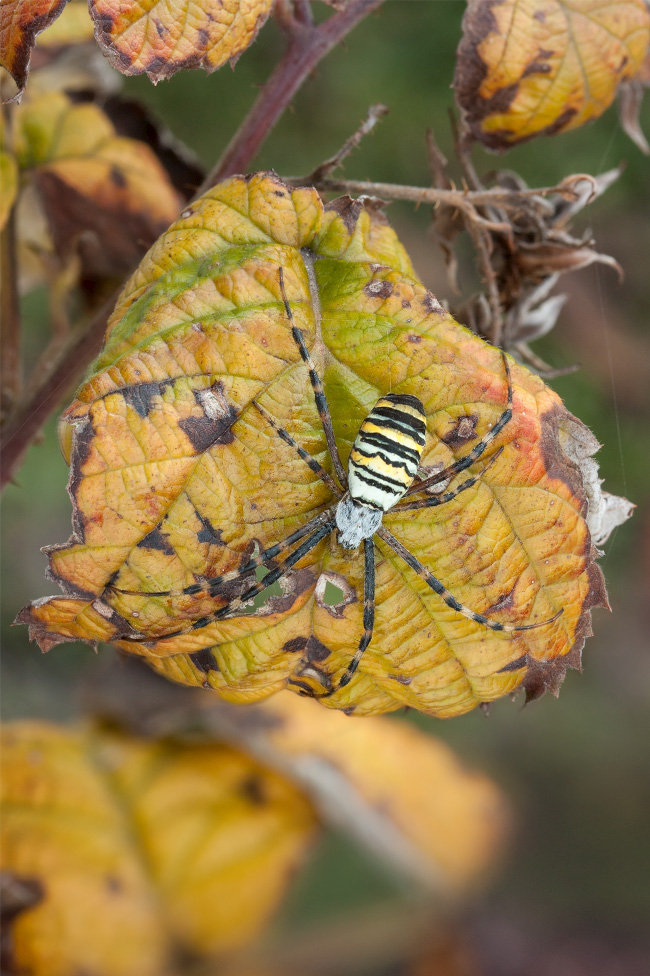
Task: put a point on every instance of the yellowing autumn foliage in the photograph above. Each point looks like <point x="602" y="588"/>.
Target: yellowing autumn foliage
<point x="126" y="849"/>
<point x="527" y="68"/>
<point x="176" y="476"/>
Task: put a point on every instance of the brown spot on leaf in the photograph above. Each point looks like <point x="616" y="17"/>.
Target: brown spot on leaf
<point x="141" y="396"/>
<point x="252" y="788"/>
<point x="520" y="662"/>
<point x="294" y="645"/>
<point x="431" y="304"/>
<point x="463" y="429"/>
<point x="504" y="602"/>
<point x="208" y="533"/>
<point x="157" y="540"/>
<point x="213" y="427"/>
<point x="117" y="177"/>
<point x="378" y="289"/>
<point x="316" y="651"/>
<point x="82" y="440"/>
<point x="204" y="660"/>
<point x="415" y="339"/>
<point x="348" y="210"/>
<point x="537" y="68"/>
<point x="17" y="894"/>
<point x="560" y="123"/>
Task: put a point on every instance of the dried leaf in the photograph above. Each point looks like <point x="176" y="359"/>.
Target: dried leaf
<point x="104" y="196"/>
<point x="177" y="477"/>
<point x="533" y="67"/>
<point x="168" y="846"/>
<point x="20" y="22"/>
<point x="158" y="39"/>
<point x="629" y="108"/>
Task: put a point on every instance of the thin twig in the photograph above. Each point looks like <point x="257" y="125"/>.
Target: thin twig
<point x="306" y="47"/>
<point x="437" y="163"/>
<point x="10" y="334"/>
<point x="375" y="113"/>
<point x="27" y="420"/>
<point x="495" y="196"/>
<point x="303" y="12"/>
<point x="482" y="244"/>
<point x="541" y="368"/>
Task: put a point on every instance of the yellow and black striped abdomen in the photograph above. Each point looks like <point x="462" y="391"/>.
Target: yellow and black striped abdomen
<point x="386" y="453"/>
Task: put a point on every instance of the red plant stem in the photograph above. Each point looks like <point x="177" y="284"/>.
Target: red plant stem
<point x="30" y="416"/>
<point x="10" y="365"/>
<point x="307" y="46"/>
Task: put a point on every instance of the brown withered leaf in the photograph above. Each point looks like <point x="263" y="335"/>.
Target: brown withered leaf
<point x="134" y="120"/>
<point x="177" y="477"/>
<point x="105" y="197"/>
<point x="534" y="67"/>
<point x="119" y="853"/>
<point x="158" y="39"/>
<point x="20" y="22"/>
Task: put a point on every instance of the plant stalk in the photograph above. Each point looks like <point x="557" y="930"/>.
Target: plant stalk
<point x="307" y="45"/>
<point x="10" y="335"/>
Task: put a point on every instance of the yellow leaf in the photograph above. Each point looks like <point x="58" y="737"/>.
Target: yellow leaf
<point x="535" y="67"/>
<point x="74" y="26"/>
<point x="159" y="38"/>
<point x="178" y="477"/>
<point x="135" y="849"/>
<point x="399" y="792"/>
<point x="104" y="195"/>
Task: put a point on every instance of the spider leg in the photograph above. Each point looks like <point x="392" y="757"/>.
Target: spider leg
<point x="368" y="618"/>
<point x="316" y="385"/>
<point x="211" y="586"/>
<point x="450" y="600"/>
<point x="258" y="587"/>
<point x="448" y="495"/>
<point x="310" y="461"/>
<point x="477" y="451"/>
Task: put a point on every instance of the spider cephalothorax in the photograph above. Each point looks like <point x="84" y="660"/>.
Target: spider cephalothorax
<point x="382" y="476"/>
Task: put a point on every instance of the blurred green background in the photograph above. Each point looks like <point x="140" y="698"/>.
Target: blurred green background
<point x="574" y="896"/>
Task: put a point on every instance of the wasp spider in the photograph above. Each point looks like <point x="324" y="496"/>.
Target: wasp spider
<point x="382" y="476"/>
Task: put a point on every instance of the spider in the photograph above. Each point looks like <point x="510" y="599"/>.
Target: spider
<point x="382" y="476"/>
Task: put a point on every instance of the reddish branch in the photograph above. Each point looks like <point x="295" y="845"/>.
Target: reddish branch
<point x="10" y="365"/>
<point x="25" y="423"/>
<point x="307" y="45"/>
